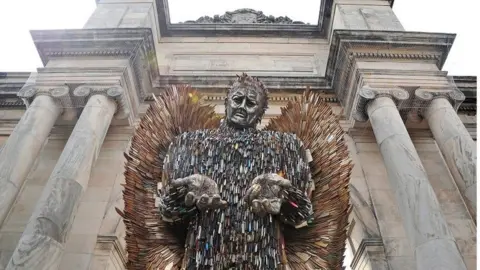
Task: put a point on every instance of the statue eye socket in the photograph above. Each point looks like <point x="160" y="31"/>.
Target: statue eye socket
<point x="250" y="103"/>
<point x="238" y="99"/>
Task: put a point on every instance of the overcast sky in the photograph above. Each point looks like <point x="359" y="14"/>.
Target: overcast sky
<point x="17" y="17"/>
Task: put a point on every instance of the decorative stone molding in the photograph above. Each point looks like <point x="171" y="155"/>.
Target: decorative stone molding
<point x="401" y="56"/>
<point x="245" y="16"/>
<point x="283" y="99"/>
<point x="367" y="94"/>
<point x="374" y="244"/>
<point x="110" y="245"/>
<point x="349" y="46"/>
<point x="70" y="100"/>
<point x="82" y="93"/>
<point x="424" y="96"/>
<point x="60" y="93"/>
<point x="135" y="44"/>
<point x="220" y="83"/>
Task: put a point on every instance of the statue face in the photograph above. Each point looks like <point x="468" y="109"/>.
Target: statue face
<point x="244" y="107"/>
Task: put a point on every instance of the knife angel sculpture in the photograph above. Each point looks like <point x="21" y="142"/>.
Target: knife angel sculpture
<point x="204" y="192"/>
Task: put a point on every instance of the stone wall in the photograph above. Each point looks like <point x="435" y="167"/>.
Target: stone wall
<point x="233" y="55"/>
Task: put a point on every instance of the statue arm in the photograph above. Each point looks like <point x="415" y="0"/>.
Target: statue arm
<point x="171" y="200"/>
<point x="284" y="194"/>
<point x="183" y="192"/>
<point x="296" y="209"/>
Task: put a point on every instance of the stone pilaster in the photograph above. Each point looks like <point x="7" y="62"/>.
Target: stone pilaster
<point x="428" y="232"/>
<point x="28" y="137"/>
<point x="43" y="240"/>
<point x="439" y="107"/>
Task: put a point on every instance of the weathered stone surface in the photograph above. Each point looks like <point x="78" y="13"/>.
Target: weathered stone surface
<point x="361" y="17"/>
<point x="22" y="148"/>
<point x="229" y="56"/>
<point x="418" y="205"/>
<point x="75" y="261"/>
<point x="244" y="16"/>
<point x="457" y="146"/>
<point x="51" y="222"/>
<point x="439" y="254"/>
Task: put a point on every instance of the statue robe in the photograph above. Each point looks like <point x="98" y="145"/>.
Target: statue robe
<point x="235" y="238"/>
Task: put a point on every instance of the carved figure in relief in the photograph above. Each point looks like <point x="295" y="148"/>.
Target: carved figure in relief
<point x="232" y="196"/>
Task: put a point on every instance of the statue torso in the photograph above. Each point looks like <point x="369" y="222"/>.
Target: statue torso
<point x="234" y="237"/>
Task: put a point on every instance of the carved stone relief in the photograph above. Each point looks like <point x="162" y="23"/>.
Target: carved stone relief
<point x="245" y="16"/>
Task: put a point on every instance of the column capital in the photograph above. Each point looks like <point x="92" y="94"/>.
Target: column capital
<point x="82" y="93"/>
<point x="59" y="93"/>
<point x="368" y="94"/>
<point x="70" y="98"/>
<point x="424" y="97"/>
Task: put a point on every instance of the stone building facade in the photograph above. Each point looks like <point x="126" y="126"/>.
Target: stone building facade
<point x="411" y="128"/>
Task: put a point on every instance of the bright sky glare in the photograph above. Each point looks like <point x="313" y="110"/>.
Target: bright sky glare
<point x="17" y="17"/>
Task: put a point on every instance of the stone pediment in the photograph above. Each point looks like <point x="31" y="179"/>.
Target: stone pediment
<point x="245" y="16"/>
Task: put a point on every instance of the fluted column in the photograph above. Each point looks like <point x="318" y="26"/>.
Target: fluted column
<point x="43" y="241"/>
<point x="426" y="227"/>
<point x="453" y="139"/>
<point x="26" y="141"/>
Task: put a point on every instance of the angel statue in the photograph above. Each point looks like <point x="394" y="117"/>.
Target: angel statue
<point x="205" y="192"/>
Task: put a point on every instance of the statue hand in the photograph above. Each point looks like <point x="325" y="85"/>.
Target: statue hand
<point x="264" y="196"/>
<point x="202" y="191"/>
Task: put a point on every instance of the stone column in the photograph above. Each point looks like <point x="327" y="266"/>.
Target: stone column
<point x="25" y="142"/>
<point x="433" y="243"/>
<point x="43" y="241"/>
<point x="453" y="139"/>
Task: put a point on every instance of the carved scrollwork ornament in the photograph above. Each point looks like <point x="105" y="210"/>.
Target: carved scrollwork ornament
<point x="81" y="95"/>
<point x="115" y="92"/>
<point x="425" y="96"/>
<point x="244" y="16"/>
<point x="59" y="92"/>
<point x="28" y="91"/>
<point x="82" y="91"/>
<point x="456" y="97"/>
<point x="368" y="94"/>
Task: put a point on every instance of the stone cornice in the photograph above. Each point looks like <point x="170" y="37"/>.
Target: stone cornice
<point x="135" y="44"/>
<point x="281" y="99"/>
<point x="348" y="45"/>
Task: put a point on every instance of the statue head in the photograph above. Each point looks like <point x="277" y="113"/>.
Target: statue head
<point x="246" y="102"/>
